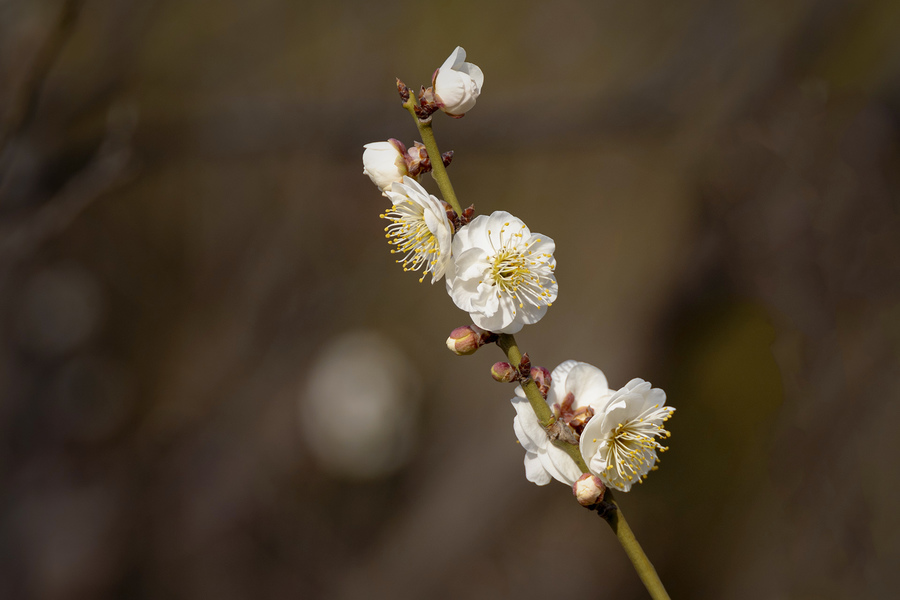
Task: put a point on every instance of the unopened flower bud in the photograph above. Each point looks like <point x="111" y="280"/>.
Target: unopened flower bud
<point x="385" y="163"/>
<point x="457" y="84"/>
<point x="417" y="160"/>
<point x="402" y="90"/>
<point x="588" y="490"/>
<point x="469" y="338"/>
<point x="504" y="372"/>
<point x="525" y="365"/>
<point x="542" y="378"/>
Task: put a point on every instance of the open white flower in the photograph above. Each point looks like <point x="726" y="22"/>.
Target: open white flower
<point x="577" y="391"/>
<point x="503" y="273"/>
<point x="457" y="84"/>
<point x="384" y="163"/>
<point x="419" y="229"/>
<point x="619" y="444"/>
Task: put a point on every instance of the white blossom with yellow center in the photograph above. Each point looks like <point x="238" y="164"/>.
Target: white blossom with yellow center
<point x="503" y="273"/>
<point x="620" y="443"/>
<point x="419" y="231"/>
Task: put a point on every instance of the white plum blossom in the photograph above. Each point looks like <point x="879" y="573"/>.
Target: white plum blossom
<point x="457" y="84"/>
<point x="384" y="163"/>
<point x="577" y="391"/>
<point x="503" y="273"/>
<point x="419" y="230"/>
<point x="619" y="430"/>
<point x="619" y="444"/>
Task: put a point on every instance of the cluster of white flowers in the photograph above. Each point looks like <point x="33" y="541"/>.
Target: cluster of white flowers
<point x="619" y="430"/>
<point x="502" y="274"/>
<point x="496" y="269"/>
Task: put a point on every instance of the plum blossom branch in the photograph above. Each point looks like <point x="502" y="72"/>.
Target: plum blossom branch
<point x="609" y="508"/>
<point x="507" y="343"/>
<point x="572" y="427"/>
<point x="438" y="171"/>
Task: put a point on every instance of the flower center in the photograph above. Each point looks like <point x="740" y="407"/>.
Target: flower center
<point x="510" y="270"/>
<point x="632" y="446"/>
<point x="517" y="271"/>
<point x="411" y="237"/>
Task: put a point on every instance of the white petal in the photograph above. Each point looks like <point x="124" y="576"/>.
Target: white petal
<point x="534" y="470"/>
<point x="503" y="221"/>
<point x="450" y="89"/>
<point x="474" y="72"/>
<point x="529" y="314"/>
<point x="473" y="234"/>
<point x="527" y="422"/>
<point x="499" y="315"/>
<point x="458" y="56"/>
<point x="526" y="442"/>
<point x="558" y="377"/>
<point x="591" y="438"/>
<point x="470" y="263"/>
<point x="560" y="465"/>
<point x="588" y="384"/>
<point x="539" y="243"/>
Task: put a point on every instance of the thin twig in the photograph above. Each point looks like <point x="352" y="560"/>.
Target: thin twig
<point x="110" y="167"/>
<point x="24" y="103"/>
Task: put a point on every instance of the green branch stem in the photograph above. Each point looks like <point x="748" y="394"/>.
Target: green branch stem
<point x="545" y="416"/>
<point x="633" y="549"/>
<point x="438" y="171"/>
<point x="613" y="516"/>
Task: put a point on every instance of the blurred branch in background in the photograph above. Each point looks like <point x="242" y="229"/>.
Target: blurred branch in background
<point x="23" y="101"/>
<point x="110" y="167"/>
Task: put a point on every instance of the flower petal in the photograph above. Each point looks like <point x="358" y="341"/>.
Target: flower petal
<point x="457" y="57"/>
<point x="535" y="471"/>
<point x="589" y="386"/>
<point x="526" y="422"/>
<point x="474" y="72"/>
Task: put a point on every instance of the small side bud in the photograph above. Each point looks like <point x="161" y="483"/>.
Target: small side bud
<point x="427" y="105"/>
<point x="525" y="365"/>
<point x="417" y="160"/>
<point x="451" y="215"/>
<point x="467" y="215"/>
<point x="469" y="338"/>
<point x="447" y="157"/>
<point x="542" y="378"/>
<point x="504" y="372"/>
<point x="403" y="91"/>
<point x="588" y="490"/>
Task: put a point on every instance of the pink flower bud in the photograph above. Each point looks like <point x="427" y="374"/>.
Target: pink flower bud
<point x="504" y="372"/>
<point x="467" y="339"/>
<point x="588" y="490"/>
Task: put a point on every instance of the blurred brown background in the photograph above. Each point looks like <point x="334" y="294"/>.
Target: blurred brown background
<point x="215" y="383"/>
